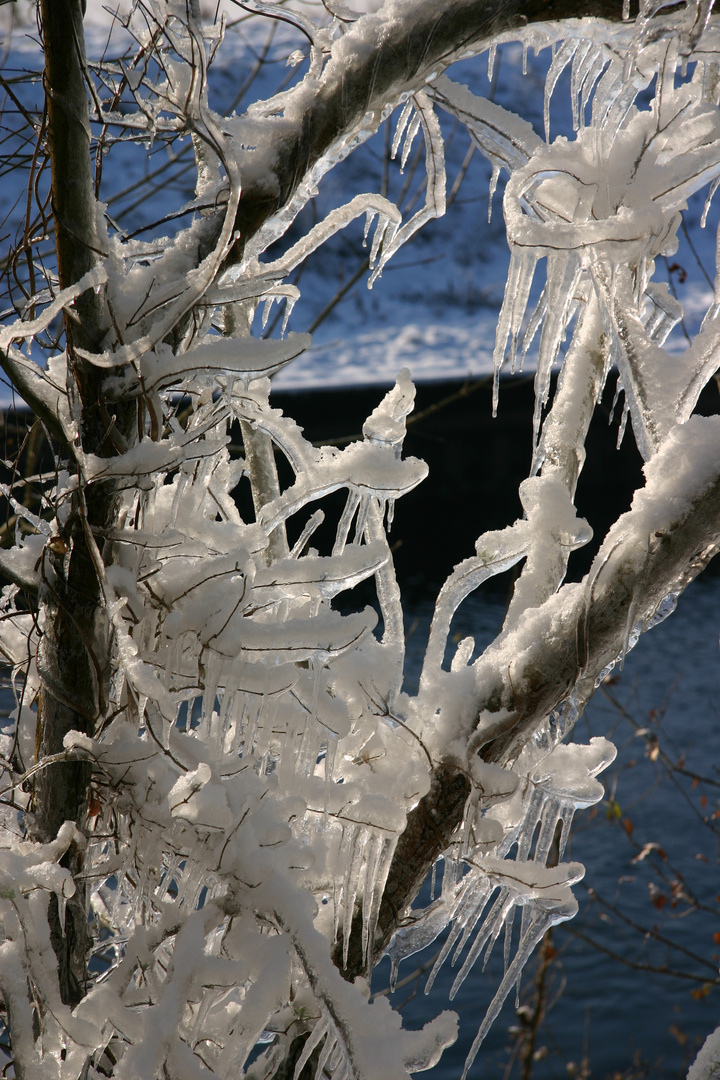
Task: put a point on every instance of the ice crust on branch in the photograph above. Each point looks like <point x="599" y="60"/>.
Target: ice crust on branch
<point x="257" y="765"/>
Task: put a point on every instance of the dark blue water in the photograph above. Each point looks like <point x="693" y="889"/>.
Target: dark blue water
<point x="611" y="999"/>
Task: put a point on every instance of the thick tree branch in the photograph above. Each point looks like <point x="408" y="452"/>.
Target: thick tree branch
<point x="382" y="58"/>
<point x="73" y="200"/>
<point x="652" y="552"/>
<point x="562" y="647"/>
<point x="73" y="655"/>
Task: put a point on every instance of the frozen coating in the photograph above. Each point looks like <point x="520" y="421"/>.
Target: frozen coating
<point x="260" y="793"/>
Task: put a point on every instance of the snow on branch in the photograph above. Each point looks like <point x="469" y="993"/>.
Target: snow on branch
<point x="259" y="798"/>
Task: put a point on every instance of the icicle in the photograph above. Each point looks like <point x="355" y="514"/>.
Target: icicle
<point x="564" y="269"/>
<point x="666" y="312"/>
<point x="250" y="731"/>
<point x="578" y="73"/>
<point x="380" y="231"/>
<point x="626" y="10"/>
<point x="353" y="884"/>
<point x="503" y="925"/>
<point x="321" y="1031"/>
<point x="512" y="312"/>
<point x="401" y="125"/>
<point x="623" y="422"/>
<point x="525" y="57"/>
<point x="330" y="756"/>
<point x="542" y="920"/>
<point x="616" y="398"/>
<point x="492" y="186"/>
<point x="507" y="944"/>
<point x="373" y="856"/>
<point x="599" y="62"/>
<point x="311" y="740"/>
<point x="62" y="909"/>
<point x="529" y="822"/>
<point x="607" y="91"/>
<point x="344" y="856"/>
<point x="713" y="188"/>
<point x="626" y="93"/>
<point x="394" y="971"/>
<point x="362" y="516"/>
<point x="212" y="674"/>
<point x="353" y="501"/>
<point x="266" y="310"/>
<point x="173" y="652"/>
<point x="489" y="930"/>
<point x="240" y="724"/>
<point x="468" y="924"/>
<point x="633" y="629"/>
<point x="334" y="1061"/>
<point x="560" y="61"/>
<point x="329" y="1050"/>
<point x="503" y="329"/>
<point x="528" y="260"/>
<point x="432" y="880"/>
<point x="290" y="302"/>
<point x="369" y="215"/>
<point x="474" y="892"/>
<point x="412" y="131"/>
<point x="492" y="53"/>
<point x="534" y="323"/>
<point x="551" y="814"/>
<point x="268" y="711"/>
<point x="314" y="522"/>
<point x="566" y="816"/>
<point x="376" y="886"/>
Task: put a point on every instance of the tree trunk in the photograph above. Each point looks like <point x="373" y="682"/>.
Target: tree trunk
<point x="73" y="653"/>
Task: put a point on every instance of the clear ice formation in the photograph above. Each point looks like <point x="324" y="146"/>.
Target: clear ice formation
<point x="481" y="904"/>
<point x="585" y="208"/>
<point x="258" y="760"/>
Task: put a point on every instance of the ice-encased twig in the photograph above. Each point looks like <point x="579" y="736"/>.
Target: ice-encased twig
<point x="559" y="457"/>
<point x="370" y="204"/>
<point x="499" y="134"/>
<point x="554" y="530"/>
<point x="497" y="552"/>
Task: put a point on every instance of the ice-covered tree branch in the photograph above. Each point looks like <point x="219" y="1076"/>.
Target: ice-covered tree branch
<point x="215" y="778"/>
<point x="382" y="59"/>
